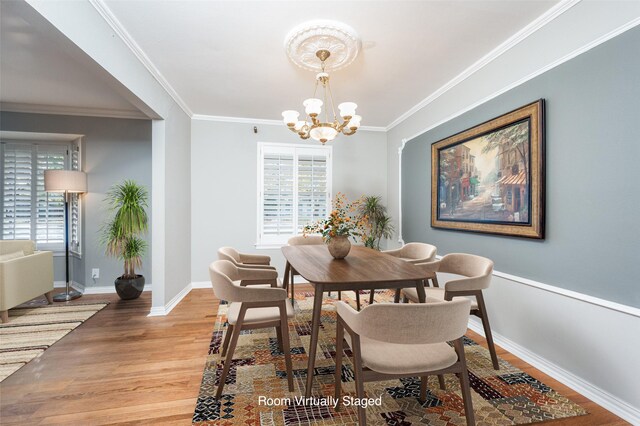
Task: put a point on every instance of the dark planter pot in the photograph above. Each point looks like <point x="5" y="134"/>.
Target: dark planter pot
<point x="129" y="288"/>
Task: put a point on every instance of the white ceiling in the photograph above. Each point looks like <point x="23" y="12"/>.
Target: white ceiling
<point x="226" y="58"/>
<point x="39" y="73"/>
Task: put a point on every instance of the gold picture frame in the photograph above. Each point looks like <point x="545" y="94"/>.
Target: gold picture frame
<point x="490" y="178"/>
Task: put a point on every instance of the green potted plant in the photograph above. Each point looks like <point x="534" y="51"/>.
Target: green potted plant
<point x="121" y="235"/>
<point x="378" y="223"/>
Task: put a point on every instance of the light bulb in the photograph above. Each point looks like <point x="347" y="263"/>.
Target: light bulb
<point x="323" y="133"/>
<point x="347" y="109"/>
<point x="290" y="117"/>
<point x="354" y="123"/>
<point x="313" y="106"/>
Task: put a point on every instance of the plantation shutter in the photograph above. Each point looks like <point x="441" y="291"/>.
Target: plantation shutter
<point x="312" y="187"/>
<point x="28" y="212"/>
<point x="17" y="168"/>
<point x="294" y="190"/>
<point x="278" y="194"/>
<point x="49" y="205"/>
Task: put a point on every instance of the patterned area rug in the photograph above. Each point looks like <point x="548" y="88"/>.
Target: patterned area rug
<point x="505" y="397"/>
<point x="31" y="330"/>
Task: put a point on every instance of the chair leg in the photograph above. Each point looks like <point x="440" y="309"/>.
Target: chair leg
<point x="230" y="350"/>
<point x="357" y="363"/>
<point x="279" y="338"/>
<point x="227" y="337"/>
<point x="423" y="388"/>
<point x="338" y="372"/>
<point x="434" y="280"/>
<point x="284" y="329"/>
<point x="358" y="299"/>
<point x="441" y="382"/>
<point x="339" y="295"/>
<point x="372" y="296"/>
<point x="464" y="384"/>
<point x="49" y="296"/>
<point x="291" y="278"/>
<point x="4" y="316"/>
<point x="487" y="330"/>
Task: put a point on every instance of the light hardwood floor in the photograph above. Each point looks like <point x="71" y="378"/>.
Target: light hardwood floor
<point x="122" y="367"/>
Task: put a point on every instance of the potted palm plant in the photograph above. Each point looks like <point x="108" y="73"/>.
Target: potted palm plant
<point x="121" y="235"/>
<point x="378" y="223"/>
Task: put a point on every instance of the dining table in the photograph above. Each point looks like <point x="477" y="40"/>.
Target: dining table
<point x="362" y="269"/>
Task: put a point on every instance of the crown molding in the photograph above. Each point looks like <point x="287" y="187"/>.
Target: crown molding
<point x="124" y="35"/>
<point x="577" y="52"/>
<point x="247" y="120"/>
<point x="512" y="41"/>
<point x="67" y="110"/>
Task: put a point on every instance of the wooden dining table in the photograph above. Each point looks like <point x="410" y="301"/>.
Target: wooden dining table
<point x="362" y="269"/>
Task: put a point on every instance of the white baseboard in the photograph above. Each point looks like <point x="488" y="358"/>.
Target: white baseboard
<point x="158" y="311"/>
<point x="104" y="289"/>
<point x="589" y="390"/>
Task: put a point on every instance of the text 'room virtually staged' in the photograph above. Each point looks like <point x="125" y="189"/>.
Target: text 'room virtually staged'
<point x="331" y="213"/>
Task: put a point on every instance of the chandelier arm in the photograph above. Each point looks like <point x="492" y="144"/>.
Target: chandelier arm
<point x="349" y="133"/>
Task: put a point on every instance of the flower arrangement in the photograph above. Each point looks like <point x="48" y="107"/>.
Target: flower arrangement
<point x="343" y="221"/>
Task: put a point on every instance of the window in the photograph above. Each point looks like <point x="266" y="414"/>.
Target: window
<point x="294" y="189"/>
<point x="28" y="212"/>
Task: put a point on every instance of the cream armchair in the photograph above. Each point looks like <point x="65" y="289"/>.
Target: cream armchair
<point x="250" y="308"/>
<point x="463" y="275"/>
<point x="251" y="261"/>
<point x="245" y="260"/>
<point x="391" y="341"/>
<point x="24" y="274"/>
<point x="414" y="252"/>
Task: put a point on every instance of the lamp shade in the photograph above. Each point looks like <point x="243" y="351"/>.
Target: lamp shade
<point x="65" y="181"/>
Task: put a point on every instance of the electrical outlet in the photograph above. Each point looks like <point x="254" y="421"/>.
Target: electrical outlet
<point x="95" y="273"/>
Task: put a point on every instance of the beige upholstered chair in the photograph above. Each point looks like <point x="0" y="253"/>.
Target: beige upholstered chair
<point x="463" y="275"/>
<point x="412" y="253"/>
<point x="391" y="341"/>
<point x="244" y="259"/>
<point x="24" y="274"/>
<point x="250" y="308"/>
<point x="251" y="261"/>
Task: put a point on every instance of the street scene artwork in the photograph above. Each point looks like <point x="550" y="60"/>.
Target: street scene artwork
<point x="489" y="178"/>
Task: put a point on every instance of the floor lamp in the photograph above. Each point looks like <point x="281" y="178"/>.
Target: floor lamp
<point x="68" y="182"/>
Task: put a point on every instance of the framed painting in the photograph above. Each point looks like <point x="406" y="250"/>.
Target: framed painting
<point x="490" y="178"/>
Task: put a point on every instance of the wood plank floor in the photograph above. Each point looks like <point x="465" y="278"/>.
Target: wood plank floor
<point x="122" y="367"/>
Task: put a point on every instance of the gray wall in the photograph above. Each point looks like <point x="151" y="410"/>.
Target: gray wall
<point x="224" y="183"/>
<point x="113" y="150"/>
<point x="592" y="153"/>
<point x="177" y="196"/>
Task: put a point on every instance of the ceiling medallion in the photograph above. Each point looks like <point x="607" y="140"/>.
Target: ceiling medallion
<point x="339" y="39"/>
<point x="322" y="46"/>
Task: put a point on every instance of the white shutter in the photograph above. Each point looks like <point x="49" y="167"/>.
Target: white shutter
<point x="49" y="205"/>
<point x="294" y="190"/>
<point x="17" y="162"/>
<point x="277" y="194"/>
<point x="28" y="212"/>
<point x="312" y="188"/>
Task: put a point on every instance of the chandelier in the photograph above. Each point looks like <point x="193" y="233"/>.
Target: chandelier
<point x="313" y="124"/>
